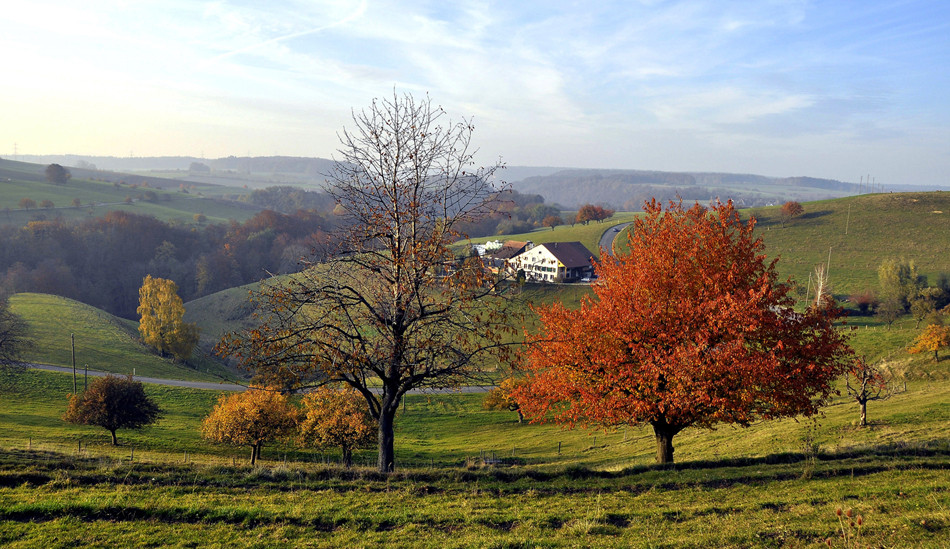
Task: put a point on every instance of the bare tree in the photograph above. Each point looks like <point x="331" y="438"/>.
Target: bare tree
<point x="866" y="382"/>
<point x="392" y="308"/>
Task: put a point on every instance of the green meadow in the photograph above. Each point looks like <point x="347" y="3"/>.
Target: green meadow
<point x="102" y="341"/>
<point x="468" y="477"/>
<point x="19" y="180"/>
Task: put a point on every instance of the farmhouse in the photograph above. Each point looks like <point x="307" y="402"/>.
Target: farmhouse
<point x="553" y="262"/>
<point x="498" y="260"/>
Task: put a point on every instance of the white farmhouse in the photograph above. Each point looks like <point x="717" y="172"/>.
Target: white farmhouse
<point x="553" y="262"/>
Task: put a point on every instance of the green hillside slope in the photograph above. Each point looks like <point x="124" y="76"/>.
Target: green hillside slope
<point x="859" y="233"/>
<point x="103" y="342"/>
<point x="19" y="180"/>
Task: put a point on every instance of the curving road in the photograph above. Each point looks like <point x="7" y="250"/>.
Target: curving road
<point x="611" y="234"/>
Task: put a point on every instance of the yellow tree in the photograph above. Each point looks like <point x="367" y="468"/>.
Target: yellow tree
<point x="162" y="322"/>
<point x="502" y="398"/>
<point x="251" y="418"/>
<point x="337" y="418"/>
<point x="932" y="339"/>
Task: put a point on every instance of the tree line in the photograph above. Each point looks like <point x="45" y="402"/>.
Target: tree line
<point x="102" y="261"/>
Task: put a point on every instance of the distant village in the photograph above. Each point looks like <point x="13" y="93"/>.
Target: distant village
<point x="552" y="262"/>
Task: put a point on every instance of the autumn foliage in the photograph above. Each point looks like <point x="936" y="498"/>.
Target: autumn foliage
<point x="251" y="418"/>
<point x="503" y="397"/>
<point x="689" y="328"/>
<point x="336" y="418"/>
<point x="791" y="210"/>
<point x="162" y="322"/>
<point x="932" y="339"/>
<point x="113" y="403"/>
<point x="590" y="212"/>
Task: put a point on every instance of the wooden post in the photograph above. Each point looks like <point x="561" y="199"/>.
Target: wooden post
<point x="559" y="448"/>
<point x="72" y="346"/>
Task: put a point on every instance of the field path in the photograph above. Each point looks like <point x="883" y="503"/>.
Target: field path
<point x="222" y="386"/>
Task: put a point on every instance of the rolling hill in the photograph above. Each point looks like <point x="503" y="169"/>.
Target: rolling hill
<point x="628" y="189"/>
<point x="100" y="192"/>
<point x="102" y="341"/>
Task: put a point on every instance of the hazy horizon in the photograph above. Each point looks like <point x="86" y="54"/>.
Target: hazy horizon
<point x="791" y="88"/>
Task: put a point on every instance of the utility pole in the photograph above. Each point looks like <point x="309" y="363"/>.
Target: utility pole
<point x="72" y="345"/>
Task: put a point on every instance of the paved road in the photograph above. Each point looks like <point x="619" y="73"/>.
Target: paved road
<point x="222" y="386"/>
<point x="607" y="239"/>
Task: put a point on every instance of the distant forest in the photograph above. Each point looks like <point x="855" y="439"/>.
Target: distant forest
<point x="102" y="261"/>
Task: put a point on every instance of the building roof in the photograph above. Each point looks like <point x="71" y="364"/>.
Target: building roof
<point x="571" y="254"/>
<point x="510" y="249"/>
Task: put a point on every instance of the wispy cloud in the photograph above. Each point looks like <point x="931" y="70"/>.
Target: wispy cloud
<point x="624" y="84"/>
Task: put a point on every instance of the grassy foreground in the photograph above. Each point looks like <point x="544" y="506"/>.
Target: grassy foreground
<point x="775" y="484"/>
<point x="54" y="500"/>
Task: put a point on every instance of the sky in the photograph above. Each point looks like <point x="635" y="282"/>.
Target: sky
<point x="838" y="89"/>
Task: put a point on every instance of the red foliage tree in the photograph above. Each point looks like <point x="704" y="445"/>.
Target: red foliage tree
<point x="589" y="212"/>
<point x="689" y="328"/>
<point x="791" y="210"/>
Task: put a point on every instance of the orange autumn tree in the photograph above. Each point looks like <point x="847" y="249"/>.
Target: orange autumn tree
<point x="932" y="339"/>
<point x="689" y="328"/>
<point x="337" y="418"/>
<point x="251" y="418"/>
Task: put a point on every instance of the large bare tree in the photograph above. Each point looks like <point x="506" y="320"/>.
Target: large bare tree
<point x="393" y="309"/>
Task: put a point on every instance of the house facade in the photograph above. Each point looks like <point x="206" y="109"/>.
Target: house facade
<point x="553" y="262"/>
<point x="498" y="259"/>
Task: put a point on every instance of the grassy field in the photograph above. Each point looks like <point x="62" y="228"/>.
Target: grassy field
<point x="103" y="342"/>
<point x="469" y="477"/>
<point x="858" y="234"/>
<point x="20" y="180"/>
<point x="775" y="484"/>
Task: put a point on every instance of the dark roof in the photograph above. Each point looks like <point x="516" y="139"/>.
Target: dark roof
<point x="571" y="254"/>
<point x="508" y="250"/>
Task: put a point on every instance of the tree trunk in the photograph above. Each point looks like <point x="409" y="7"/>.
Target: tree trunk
<point x="520" y="416"/>
<point x="253" y="454"/>
<point x="347" y="457"/>
<point x="864" y="413"/>
<point x="664" y="440"/>
<point x="387" y="452"/>
<point x="115" y="442"/>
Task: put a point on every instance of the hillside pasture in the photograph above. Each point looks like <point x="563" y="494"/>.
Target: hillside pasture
<point x="19" y="180"/>
<point x="103" y="342"/>
<point x="474" y="478"/>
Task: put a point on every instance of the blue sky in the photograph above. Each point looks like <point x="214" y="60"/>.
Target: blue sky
<point x="825" y="89"/>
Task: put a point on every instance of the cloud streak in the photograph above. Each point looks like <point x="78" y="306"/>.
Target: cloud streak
<point x="689" y="83"/>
